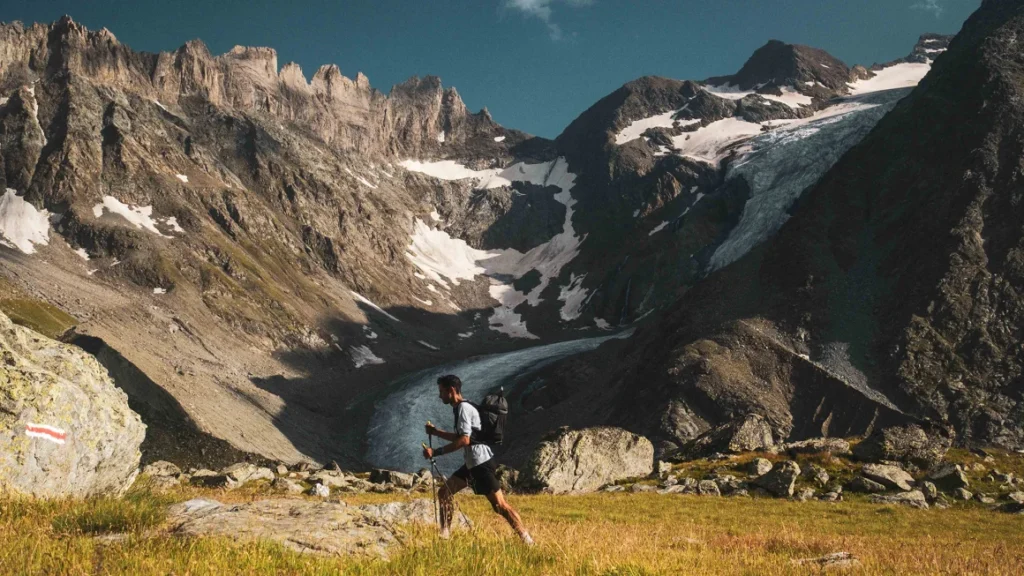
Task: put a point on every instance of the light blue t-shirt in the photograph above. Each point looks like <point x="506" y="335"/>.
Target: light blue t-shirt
<point x="466" y="421"/>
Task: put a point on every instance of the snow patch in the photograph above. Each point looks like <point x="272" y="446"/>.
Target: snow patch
<point x="789" y="97"/>
<point x="159" y="291"/>
<point x="497" y="139"/>
<point x="370" y="334"/>
<point x="465" y="334"/>
<point x="905" y="75"/>
<point x="708" y="144"/>
<point x="366" y="301"/>
<point x="182" y="177"/>
<point x="440" y="137"/>
<point x="602" y="324"/>
<point x="173" y="223"/>
<point x="638" y="127"/>
<point x="83" y="254"/>
<point x="427" y="345"/>
<point x="424" y="302"/>
<point x="574" y="295"/>
<point x="658" y="228"/>
<point x="636" y="213"/>
<point x="21" y="225"/>
<point x="139" y="216"/>
<point x="363" y="356"/>
<point x="435" y="216"/>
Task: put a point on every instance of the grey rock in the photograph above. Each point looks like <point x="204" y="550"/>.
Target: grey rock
<point x="664" y="469"/>
<point x="637" y="488"/>
<point x="831" y="497"/>
<point x="708" y="488"/>
<point x="836" y="446"/>
<point x="909" y="443"/>
<point x="306" y="526"/>
<point x="287" y="485"/>
<point x="914" y="498"/>
<point x="781" y="480"/>
<point x="931" y="492"/>
<point x="418" y="511"/>
<point x="804" y="494"/>
<point x="739" y="493"/>
<point x="210" y="479"/>
<point x="281" y="470"/>
<point x="399" y="479"/>
<point x="320" y="491"/>
<point x="508" y="478"/>
<point x="613" y="488"/>
<point x="949" y="477"/>
<point x="161" y="468"/>
<point x="65" y="429"/>
<point x="329" y="478"/>
<point x="963" y="494"/>
<point x="888" y="475"/>
<point x="244" y="472"/>
<point x="984" y="498"/>
<point x="816" y="474"/>
<point x="865" y="485"/>
<point x="728" y="483"/>
<point x="748" y="434"/>
<point x="1017" y="497"/>
<point x="1004" y="478"/>
<point x="585" y="460"/>
<point x="759" y="466"/>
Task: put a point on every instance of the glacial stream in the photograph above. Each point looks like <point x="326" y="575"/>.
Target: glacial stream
<point x="396" y="427"/>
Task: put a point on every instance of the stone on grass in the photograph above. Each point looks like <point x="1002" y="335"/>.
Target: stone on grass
<point x="748" y="434"/>
<point x="320" y="490"/>
<point x="161" y="468"/>
<point x="759" y="466"/>
<point x="400" y="479"/>
<point x="836" y="446"/>
<point x="244" y="472"/>
<point x="888" y="475"/>
<point x="585" y="460"/>
<point x="708" y="488"/>
<point x="804" y="494"/>
<point x="865" y="485"/>
<point x="949" y="477"/>
<point x="963" y="494"/>
<point x="914" y="498"/>
<point x="834" y="560"/>
<point x="816" y="474"/>
<point x="781" y="480"/>
<point x="931" y="492"/>
<point x="287" y="485"/>
<point x="908" y="443"/>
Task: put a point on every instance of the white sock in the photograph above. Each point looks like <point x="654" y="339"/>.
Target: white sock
<point x="445" y="534"/>
<point x="526" y="538"/>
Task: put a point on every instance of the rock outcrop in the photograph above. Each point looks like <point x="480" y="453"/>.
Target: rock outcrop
<point x="303" y="525"/>
<point x="65" y="429"/>
<point x="585" y="460"/>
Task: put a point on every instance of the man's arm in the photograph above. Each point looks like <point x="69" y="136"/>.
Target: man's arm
<point x="457" y="444"/>
<point x="449" y="436"/>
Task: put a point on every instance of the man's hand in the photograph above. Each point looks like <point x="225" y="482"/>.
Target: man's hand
<point x="428" y="453"/>
<point x="431" y="429"/>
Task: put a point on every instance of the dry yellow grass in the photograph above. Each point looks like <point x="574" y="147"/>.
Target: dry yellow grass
<point x="599" y="534"/>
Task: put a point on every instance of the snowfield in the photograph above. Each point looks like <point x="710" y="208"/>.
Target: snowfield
<point x="438" y="256"/>
<point x="139" y="216"/>
<point x="22" y="226"/>
<point x="638" y="127"/>
<point x="906" y="75"/>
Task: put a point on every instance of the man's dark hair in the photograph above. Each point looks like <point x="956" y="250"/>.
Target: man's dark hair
<point x="450" y="381"/>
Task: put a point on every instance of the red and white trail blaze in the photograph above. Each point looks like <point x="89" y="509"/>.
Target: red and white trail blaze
<point x="51" y="433"/>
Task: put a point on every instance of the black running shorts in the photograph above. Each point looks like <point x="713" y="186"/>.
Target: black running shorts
<point x="481" y="478"/>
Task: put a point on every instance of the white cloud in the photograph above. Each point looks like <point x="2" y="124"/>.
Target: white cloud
<point x="541" y="9"/>
<point x="932" y="6"/>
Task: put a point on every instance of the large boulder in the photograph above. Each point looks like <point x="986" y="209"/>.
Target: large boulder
<point x="781" y="480"/>
<point x="65" y="429"/>
<point x="890" y="476"/>
<point x="748" y="434"/>
<point x="910" y="443"/>
<point x="914" y="499"/>
<point x="585" y="460"/>
<point x="244" y="472"/>
<point x="949" y="477"/>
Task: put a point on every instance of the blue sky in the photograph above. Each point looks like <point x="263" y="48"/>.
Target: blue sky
<point x="535" y="64"/>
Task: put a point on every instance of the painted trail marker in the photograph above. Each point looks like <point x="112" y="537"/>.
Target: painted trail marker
<point x="51" y="433"/>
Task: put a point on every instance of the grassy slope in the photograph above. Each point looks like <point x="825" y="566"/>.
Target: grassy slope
<point x="599" y="534"/>
<point x="44" y="318"/>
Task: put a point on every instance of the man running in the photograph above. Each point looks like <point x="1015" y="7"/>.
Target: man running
<point x="479" y="469"/>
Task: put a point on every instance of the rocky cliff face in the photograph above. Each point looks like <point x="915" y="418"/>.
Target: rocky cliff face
<point x="892" y="291"/>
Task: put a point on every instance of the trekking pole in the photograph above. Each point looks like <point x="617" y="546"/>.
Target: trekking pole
<point x="433" y="485"/>
<point x="444" y="481"/>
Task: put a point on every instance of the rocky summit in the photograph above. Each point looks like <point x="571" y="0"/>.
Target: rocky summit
<point x="268" y="265"/>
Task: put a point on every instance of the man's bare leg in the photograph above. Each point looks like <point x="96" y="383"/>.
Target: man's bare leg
<point x="501" y="506"/>
<point x="446" y="497"/>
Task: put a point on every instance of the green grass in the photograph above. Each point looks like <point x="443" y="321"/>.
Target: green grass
<point x="44" y="318"/>
<point x="591" y="535"/>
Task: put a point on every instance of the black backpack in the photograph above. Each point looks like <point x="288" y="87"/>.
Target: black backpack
<point x="493" y="413"/>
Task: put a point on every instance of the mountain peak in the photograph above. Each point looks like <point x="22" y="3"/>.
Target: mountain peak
<point x="779" y="64"/>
